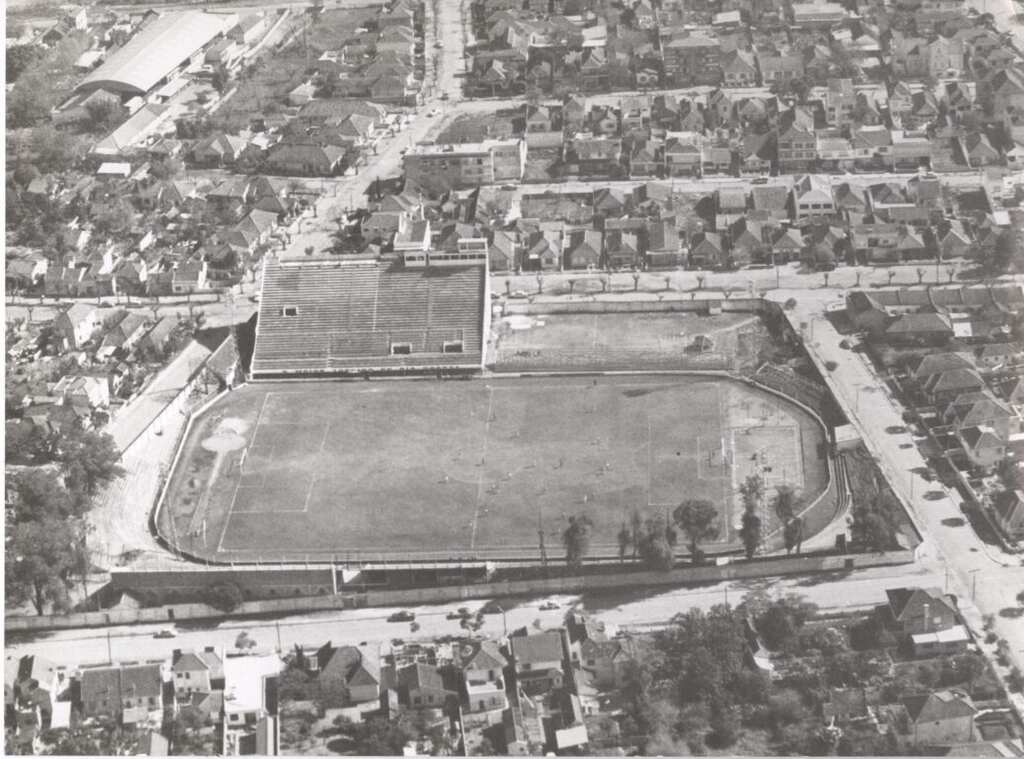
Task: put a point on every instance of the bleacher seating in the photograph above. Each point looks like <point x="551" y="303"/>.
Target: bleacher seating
<point x="327" y="317"/>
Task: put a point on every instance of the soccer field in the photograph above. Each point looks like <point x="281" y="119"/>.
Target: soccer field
<point x="406" y="470"/>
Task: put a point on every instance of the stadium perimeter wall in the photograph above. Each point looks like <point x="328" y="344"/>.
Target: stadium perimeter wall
<point x="321" y="577"/>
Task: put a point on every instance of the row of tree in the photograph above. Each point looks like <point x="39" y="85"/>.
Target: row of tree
<point x="47" y="531"/>
<point x="874" y="524"/>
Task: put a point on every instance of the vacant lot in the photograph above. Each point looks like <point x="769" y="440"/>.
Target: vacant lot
<point x="427" y="469"/>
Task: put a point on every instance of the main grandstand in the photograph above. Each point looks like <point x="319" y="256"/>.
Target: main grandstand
<point x="329" y="318"/>
<point x="167" y="44"/>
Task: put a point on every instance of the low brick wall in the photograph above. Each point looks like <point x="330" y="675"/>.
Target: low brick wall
<point x="665" y="305"/>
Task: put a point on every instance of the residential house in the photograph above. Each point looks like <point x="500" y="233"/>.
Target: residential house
<point x="538" y="661"/>
<point x="1008" y="508"/>
<point x="129" y="694"/>
<point x="770" y="202"/>
<point x="692" y="59"/>
<point x="779" y="68"/>
<point x="253" y="230"/>
<point x="188" y="277"/>
<point x="417" y="686"/>
<point x="297" y="159"/>
<point x="503" y="253"/>
<point x="347" y="669"/>
<point x="683" y="155"/>
<point x="251" y="705"/>
<point x="840" y="102"/>
<point x="872" y="146"/>
<point x="663" y="245"/>
<point x="739" y="69"/>
<point x="83" y="391"/>
<point x="797" y="149"/>
<point x="920" y="329"/>
<point x="940" y="717"/>
<point x="197" y="671"/>
<point x="707" y="251"/>
<point x="757" y="153"/>
<point x="483" y="673"/>
<point x="622" y="250"/>
<point x="983" y="446"/>
<point x="812" y="197"/>
<point x="910" y="611"/>
<point x="647" y="159"/>
<point x="584" y="249"/>
<point x="980" y="151"/>
<point x="594" y="156"/>
<point x="77" y="324"/>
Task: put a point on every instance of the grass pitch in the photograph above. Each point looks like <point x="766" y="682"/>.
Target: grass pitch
<point x="458" y="469"/>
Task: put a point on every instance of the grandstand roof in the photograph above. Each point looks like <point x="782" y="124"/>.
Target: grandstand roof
<point x="326" y="317"/>
<point x="155" y="51"/>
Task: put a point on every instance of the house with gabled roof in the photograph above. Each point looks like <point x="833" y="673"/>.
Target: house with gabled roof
<point x="940" y="717"/>
<point x="770" y="202"/>
<point x="920" y="329"/>
<point x="347" y="669"/>
<point x="197" y="671"/>
<point x="757" y="153"/>
<point x="983" y="446"/>
<point x="129" y="694"/>
<point x="682" y="154"/>
<point x="1008" y="508"/>
<point x="584" y="249"/>
<point x="622" y="249"/>
<point x="416" y="686"/>
<point x="707" y="250"/>
<point x="812" y="197"/>
<point x="910" y="611"/>
<point x="483" y="673"/>
<point x="944" y="386"/>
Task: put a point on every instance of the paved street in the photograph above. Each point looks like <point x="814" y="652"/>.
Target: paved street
<point x="626" y="609"/>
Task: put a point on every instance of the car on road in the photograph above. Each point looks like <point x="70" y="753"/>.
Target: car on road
<point x="519" y="294"/>
<point x="402" y="616"/>
<point x="165" y="634"/>
<point x="759" y="180"/>
<point x="896" y="429"/>
<point x="438" y="46"/>
<point x="444" y="96"/>
<point x="492" y="607"/>
<point x="549" y="606"/>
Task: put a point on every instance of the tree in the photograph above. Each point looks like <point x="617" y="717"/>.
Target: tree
<point x="225" y="596"/>
<point x="102" y="115"/>
<point x="576" y="539"/>
<point x="40" y="495"/>
<point x="243" y="642"/>
<point x="750" y="533"/>
<point x="54" y="150"/>
<point x="625" y="540"/>
<point x="635" y="525"/>
<point x="25" y="443"/>
<point x="786" y="503"/>
<point x="654" y="548"/>
<point x="89" y="460"/>
<point x="873" y="523"/>
<point x="40" y="561"/>
<point x="19" y="58"/>
<point x="697" y="519"/>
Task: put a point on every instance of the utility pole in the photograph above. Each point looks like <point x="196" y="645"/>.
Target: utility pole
<point x="277" y="625"/>
<point x="110" y="653"/>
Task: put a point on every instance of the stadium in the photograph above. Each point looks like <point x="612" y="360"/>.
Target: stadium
<point x="439" y="458"/>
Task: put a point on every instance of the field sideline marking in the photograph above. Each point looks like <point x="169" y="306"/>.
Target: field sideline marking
<point x="483" y="467"/>
<point x="238" y="482"/>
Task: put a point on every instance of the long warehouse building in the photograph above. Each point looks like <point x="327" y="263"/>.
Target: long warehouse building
<point x="151" y="56"/>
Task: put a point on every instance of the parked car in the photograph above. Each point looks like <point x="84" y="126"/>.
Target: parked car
<point x="548" y="606"/>
<point x="402" y="616"/>
<point x="165" y="634"/>
<point x="491" y="607"/>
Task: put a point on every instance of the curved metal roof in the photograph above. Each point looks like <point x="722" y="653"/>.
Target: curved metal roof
<point x="156" y="50"/>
